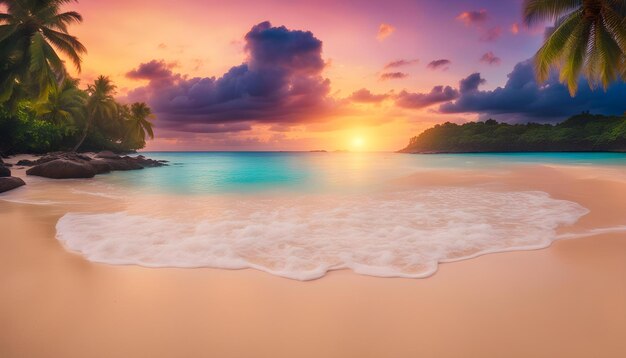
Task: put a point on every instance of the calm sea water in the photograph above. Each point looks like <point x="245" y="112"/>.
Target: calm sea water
<point x="228" y="172"/>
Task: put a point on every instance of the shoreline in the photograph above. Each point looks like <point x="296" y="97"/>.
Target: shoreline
<point x="566" y="300"/>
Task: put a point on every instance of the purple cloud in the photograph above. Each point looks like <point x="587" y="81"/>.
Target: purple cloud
<point x="151" y="71"/>
<point x="365" y="96"/>
<point x="490" y="59"/>
<point x="522" y="99"/>
<point x="439" y="64"/>
<point x="280" y="82"/>
<point x="471" y="83"/>
<point x="400" y="63"/>
<point x="420" y="100"/>
<point x="491" y="34"/>
<point x="393" y="76"/>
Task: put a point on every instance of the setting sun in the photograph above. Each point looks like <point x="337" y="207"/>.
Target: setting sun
<point x="358" y="143"/>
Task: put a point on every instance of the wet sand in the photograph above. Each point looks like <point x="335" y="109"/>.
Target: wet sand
<point x="568" y="300"/>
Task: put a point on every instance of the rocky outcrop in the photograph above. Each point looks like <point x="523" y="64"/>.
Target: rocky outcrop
<point x="25" y="163"/>
<point x="107" y="154"/>
<point x="72" y="165"/>
<point x="100" y="166"/>
<point x="122" y="164"/>
<point x="54" y="156"/>
<point x="10" y="183"/>
<point x="63" y="169"/>
<point x="4" y="171"/>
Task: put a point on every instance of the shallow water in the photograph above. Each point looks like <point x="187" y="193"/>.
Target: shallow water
<point x="245" y="172"/>
<point x="300" y="215"/>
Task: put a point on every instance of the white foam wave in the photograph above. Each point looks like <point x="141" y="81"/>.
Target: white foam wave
<point x="395" y="235"/>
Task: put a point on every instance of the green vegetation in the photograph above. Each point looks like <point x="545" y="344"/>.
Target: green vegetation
<point x="41" y="107"/>
<point x="589" y="37"/>
<point x="583" y="132"/>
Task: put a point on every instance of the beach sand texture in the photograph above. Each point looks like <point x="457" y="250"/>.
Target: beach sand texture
<point x="565" y="301"/>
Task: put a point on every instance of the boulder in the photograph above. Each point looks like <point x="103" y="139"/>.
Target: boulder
<point x="147" y="163"/>
<point x="107" y="154"/>
<point x="9" y="183"/>
<point x="63" y="169"/>
<point x="100" y="166"/>
<point x="4" y="171"/>
<point x="122" y="164"/>
<point x="25" y="163"/>
<point x="62" y="155"/>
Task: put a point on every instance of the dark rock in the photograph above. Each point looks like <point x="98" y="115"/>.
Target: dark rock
<point x="148" y="163"/>
<point x="62" y="165"/>
<point x="62" y="155"/>
<point x="7" y="165"/>
<point x="122" y="164"/>
<point x="10" y="183"/>
<point x="4" y="171"/>
<point x="107" y="154"/>
<point x="54" y="156"/>
<point x="26" y="163"/>
<point x="63" y="169"/>
<point x="100" y="166"/>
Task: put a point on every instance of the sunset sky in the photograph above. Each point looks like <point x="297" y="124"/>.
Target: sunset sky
<point x="304" y="75"/>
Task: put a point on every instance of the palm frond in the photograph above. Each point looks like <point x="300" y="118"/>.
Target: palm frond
<point x="574" y="55"/>
<point x="537" y="11"/>
<point x="67" y="44"/>
<point x="553" y="48"/>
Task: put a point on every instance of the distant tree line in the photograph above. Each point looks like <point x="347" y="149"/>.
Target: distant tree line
<point x="583" y="132"/>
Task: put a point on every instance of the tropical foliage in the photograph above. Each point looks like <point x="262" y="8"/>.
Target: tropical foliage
<point x="588" y="38"/>
<point x="41" y="107"/>
<point x="583" y="132"/>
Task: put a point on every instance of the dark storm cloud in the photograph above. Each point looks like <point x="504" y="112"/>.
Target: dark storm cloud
<point x="280" y="82"/>
<point x="400" y="63"/>
<point x="439" y="64"/>
<point x="393" y="75"/>
<point x="365" y="96"/>
<point x="522" y="99"/>
<point x="470" y="83"/>
<point x="420" y="100"/>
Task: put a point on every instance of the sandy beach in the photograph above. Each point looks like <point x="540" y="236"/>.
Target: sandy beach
<point x="568" y="300"/>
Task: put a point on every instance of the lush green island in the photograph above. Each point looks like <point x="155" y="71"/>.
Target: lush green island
<point x="580" y="133"/>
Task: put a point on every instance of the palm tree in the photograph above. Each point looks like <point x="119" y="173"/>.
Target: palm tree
<point x="139" y="123"/>
<point x="31" y="33"/>
<point x="100" y="104"/>
<point x="589" y="37"/>
<point x="65" y="104"/>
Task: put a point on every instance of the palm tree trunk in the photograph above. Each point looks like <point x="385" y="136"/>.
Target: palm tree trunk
<point x="82" y="138"/>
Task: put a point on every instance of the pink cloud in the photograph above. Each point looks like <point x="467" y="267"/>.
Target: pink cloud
<point x="473" y="17"/>
<point x="384" y="31"/>
<point x="490" y="59"/>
